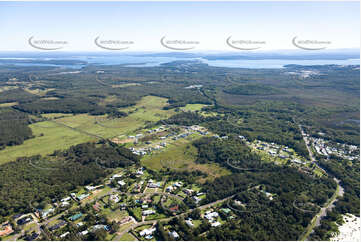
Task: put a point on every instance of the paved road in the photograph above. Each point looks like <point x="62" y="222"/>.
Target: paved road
<point x="313" y="160"/>
<point x="338" y="193"/>
<point x="316" y="221"/>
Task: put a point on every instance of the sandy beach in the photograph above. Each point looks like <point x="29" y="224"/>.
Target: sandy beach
<point x="350" y="230"/>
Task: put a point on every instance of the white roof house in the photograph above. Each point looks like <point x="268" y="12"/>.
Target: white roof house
<point x="116" y="176"/>
<point x="114" y="197"/>
<point x="65" y="234"/>
<point x="64" y="204"/>
<point x="177" y="184"/>
<point x="145" y="232"/>
<point x="189" y="223"/>
<point x="196" y="199"/>
<point x="89" y="188"/>
<point x="148" y="212"/>
<point x="121" y="183"/>
<point x="215" y="224"/>
<point x="169" y="189"/>
<point x="65" y="199"/>
<point x="79" y="224"/>
<point x="211" y="216"/>
<point x="174" y="235"/>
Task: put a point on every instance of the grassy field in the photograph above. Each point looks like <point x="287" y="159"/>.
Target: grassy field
<point x="48" y="137"/>
<point x="126" y="85"/>
<point x="181" y="155"/>
<point x="194" y="107"/>
<point x="148" y="109"/>
<point x="128" y="237"/>
<point x="3" y="105"/>
<point x="51" y="136"/>
<point x="56" y="115"/>
<point x="7" y="88"/>
<point x="198" y="107"/>
<point x="39" y="92"/>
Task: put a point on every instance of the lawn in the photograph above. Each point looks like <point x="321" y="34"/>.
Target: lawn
<point x="117" y="215"/>
<point x="140" y="228"/>
<point x="127" y="237"/>
<point x="30" y="226"/>
<point x="137" y="212"/>
<point x="155" y="216"/>
<point x="197" y="223"/>
<point x="156" y="199"/>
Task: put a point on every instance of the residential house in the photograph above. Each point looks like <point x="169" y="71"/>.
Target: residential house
<point x="189" y="223"/>
<point x="148" y="212"/>
<point x="187" y="191"/>
<point x="64" y="235"/>
<point x="85" y="232"/>
<point x="169" y="189"/>
<point x="211" y="215"/>
<point x="215" y="224"/>
<point x="76" y="216"/>
<point x="174" y="209"/>
<point x="114" y="198"/>
<point x="196" y="199"/>
<point x="173" y="235"/>
<point x="146" y="232"/>
<point x="5" y="229"/>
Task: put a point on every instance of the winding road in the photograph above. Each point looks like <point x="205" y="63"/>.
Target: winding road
<point x="316" y="221"/>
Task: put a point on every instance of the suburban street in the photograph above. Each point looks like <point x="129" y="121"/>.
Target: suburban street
<point x="117" y="238"/>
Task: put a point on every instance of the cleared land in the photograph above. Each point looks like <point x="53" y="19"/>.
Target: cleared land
<point x="181" y="155"/>
<point x="194" y="107"/>
<point x="50" y="136"/>
<point x="2" y="105"/>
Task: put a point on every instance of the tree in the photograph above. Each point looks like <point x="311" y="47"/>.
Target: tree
<point x="196" y="213"/>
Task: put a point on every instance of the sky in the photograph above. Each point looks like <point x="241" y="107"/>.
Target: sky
<point x="208" y="23"/>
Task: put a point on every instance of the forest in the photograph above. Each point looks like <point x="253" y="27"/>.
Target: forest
<point x="227" y="151"/>
<point x="251" y="89"/>
<point x="14" y="127"/>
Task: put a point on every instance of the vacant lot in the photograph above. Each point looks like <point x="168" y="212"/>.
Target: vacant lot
<point x="181" y="155"/>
